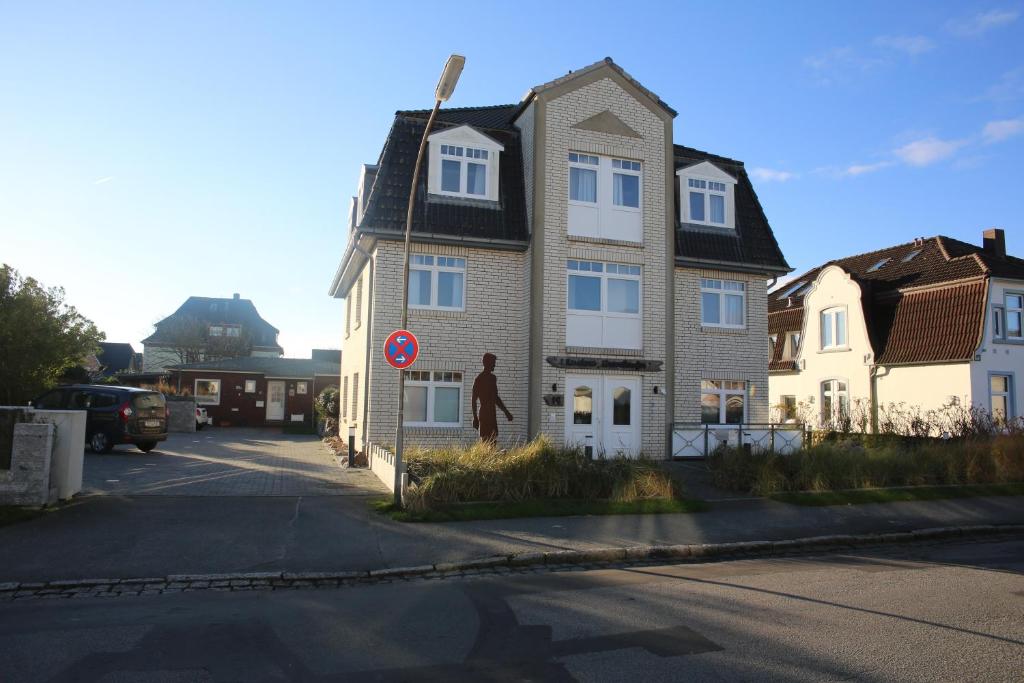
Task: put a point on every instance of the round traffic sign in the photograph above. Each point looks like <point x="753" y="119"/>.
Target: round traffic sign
<point x="401" y="349"/>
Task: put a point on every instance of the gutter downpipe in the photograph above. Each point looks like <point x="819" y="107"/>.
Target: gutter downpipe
<point x="369" y="340"/>
<point x="873" y="389"/>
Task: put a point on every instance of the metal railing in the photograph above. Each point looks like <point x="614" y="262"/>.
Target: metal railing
<point x="696" y="440"/>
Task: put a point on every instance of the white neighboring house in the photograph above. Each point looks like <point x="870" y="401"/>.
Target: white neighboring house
<point x="925" y="324"/>
<point x="619" y="278"/>
<point x="223" y="318"/>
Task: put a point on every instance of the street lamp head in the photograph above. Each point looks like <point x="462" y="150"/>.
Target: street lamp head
<point x="449" y="77"/>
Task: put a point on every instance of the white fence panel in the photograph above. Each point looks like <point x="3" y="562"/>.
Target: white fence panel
<point x="698" y="441"/>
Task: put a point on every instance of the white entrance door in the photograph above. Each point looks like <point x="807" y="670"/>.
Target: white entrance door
<point x="602" y="414"/>
<point x="275" y="400"/>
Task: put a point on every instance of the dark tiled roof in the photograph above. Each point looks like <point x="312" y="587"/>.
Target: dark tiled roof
<point x="925" y="304"/>
<point x="446" y="217"/>
<point x="329" y="355"/>
<point x="214" y="310"/>
<point x="271" y="367"/>
<point x="752" y="244"/>
<point x="115" y="357"/>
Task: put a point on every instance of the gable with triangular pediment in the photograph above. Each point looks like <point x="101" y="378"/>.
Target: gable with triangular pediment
<point x="466" y="135"/>
<point x="607" y="122"/>
<point x="706" y="169"/>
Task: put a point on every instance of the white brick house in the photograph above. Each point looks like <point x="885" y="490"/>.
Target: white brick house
<point x="619" y="278"/>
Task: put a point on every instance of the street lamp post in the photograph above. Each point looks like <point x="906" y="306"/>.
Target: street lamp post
<point x="444" y="90"/>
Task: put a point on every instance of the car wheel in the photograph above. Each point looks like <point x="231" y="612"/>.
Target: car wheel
<point x="147" y="446"/>
<point x="199" y="426"/>
<point x="100" y="443"/>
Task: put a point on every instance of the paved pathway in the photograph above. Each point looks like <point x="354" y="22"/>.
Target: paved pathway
<point x="226" y="462"/>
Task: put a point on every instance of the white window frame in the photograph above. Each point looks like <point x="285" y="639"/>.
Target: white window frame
<point x="707" y="173"/>
<point x="835" y="393"/>
<point x="464" y="155"/>
<point x="414" y="378"/>
<point x="1007" y="311"/>
<point x="301" y="388"/>
<point x="435" y="268"/>
<point x="998" y="322"/>
<point x="250" y="386"/>
<point x="724" y="389"/>
<point x="464" y="137"/>
<point x="1011" y="409"/>
<point x="834" y="328"/>
<point x="707" y="287"/>
<point x="205" y="399"/>
<point x="216" y="331"/>
<point x="608" y="271"/>
<point x="793" y="339"/>
<point x="606" y="168"/>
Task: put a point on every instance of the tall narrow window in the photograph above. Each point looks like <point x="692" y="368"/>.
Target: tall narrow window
<point x="355" y="397"/>
<point x="626" y="183"/>
<point x="1014" y="315"/>
<point x="998" y="315"/>
<point x="833" y="328"/>
<point x="835" y="401"/>
<point x="1000" y="392"/>
<point x="583" y="178"/>
<point x="344" y="398"/>
<point x="359" y="302"/>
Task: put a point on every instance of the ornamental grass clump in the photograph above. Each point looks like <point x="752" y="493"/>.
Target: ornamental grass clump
<point x="534" y="471"/>
<point x="872" y="463"/>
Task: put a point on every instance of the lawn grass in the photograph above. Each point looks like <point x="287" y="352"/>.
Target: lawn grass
<point x="11" y="514"/>
<point x="894" y="495"/>
<point x="465" y="512"/>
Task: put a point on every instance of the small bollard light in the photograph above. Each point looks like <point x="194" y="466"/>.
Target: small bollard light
<point x="351" y="444"/>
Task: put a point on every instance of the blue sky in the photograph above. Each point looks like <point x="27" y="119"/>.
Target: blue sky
<point x="151" y="151"/>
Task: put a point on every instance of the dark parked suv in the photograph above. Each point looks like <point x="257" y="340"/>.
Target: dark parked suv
<point x="116" y="414"/>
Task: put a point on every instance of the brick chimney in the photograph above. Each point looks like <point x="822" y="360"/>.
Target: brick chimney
<point x="994" y="242"/>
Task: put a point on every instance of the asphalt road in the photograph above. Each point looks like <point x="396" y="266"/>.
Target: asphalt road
<point x="926" y="613"/>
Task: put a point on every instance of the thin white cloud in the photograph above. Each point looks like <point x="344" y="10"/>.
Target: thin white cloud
<point x="912" y="45"/>
<point x="981" y="23"/>
<point x="1008" y="88"/>
<point x="861" y="169"/>
<point x="100" y="181"/>
<point x="834" y="64"/>
<point x="997" y="131"/>
<point x="770" y="175"/>
<point x="927" y="151"/>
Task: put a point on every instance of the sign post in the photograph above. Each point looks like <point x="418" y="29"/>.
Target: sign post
<point x="401" y="349"/>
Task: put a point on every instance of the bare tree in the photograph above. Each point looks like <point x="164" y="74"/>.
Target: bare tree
<point x="189" y="339"/>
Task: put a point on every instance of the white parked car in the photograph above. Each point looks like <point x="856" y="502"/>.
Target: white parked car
<point x="202" y="419"/>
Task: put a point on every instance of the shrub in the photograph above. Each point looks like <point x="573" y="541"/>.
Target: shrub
<point x="872" y="461"/>
<point x="327" y="410"/>
<point x="537" y="470"/>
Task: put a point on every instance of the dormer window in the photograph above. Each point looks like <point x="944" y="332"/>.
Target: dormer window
<point x="464" y="163"/>
<point x="879" y="265"/>
<point x="707" y="196"/>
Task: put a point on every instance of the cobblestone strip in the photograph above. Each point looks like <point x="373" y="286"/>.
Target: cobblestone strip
<point x="520" y="563"/>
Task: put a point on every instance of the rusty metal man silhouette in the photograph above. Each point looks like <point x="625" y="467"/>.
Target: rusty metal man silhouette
<point x="485" y="390"/>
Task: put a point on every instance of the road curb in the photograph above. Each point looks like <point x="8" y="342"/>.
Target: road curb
<point x="498" y="564"/>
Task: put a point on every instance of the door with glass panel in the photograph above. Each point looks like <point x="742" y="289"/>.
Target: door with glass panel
<point x="835" y="402"/>
<point x="602" y="415"/>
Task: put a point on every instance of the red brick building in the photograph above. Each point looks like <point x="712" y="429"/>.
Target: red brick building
<point x="257" y="391"/>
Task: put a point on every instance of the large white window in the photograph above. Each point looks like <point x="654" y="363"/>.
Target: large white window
<point x="1001" y="397"/>
<point x="433" y="398"/>
<point x="437" y="282"/>
<point x="605" y="197"/>
<point x="723" y="303"/>
<point x="835" y="401"/>
<point x="833" y="328"/>
<point x="722" y="401"/>
<point x="463" y="162"/>
<point x="207" y="392"/>
<point x="603" y="305"/>
<point x="707" y="196"/>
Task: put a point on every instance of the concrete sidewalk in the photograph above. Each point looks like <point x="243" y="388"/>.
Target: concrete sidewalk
<point x="131" y="537"/>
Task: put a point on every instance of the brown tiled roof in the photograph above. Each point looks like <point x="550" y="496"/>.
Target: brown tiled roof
<point x="925" y="304"/>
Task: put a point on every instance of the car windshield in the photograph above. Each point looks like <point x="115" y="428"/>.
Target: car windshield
<point x="150" y="400"/>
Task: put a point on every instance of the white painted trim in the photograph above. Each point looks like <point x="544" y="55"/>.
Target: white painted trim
<point x="708" y="172"/>
<point x="463" y="136"/>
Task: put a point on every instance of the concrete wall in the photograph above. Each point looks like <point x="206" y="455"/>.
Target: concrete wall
<point x="720" y="353"/>
<point x="557" y="136"/>
<point x="28" y="481"/>
<point x="183" y="414"/>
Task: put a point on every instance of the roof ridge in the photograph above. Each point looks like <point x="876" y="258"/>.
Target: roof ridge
<point x="705" y="153"/>
<point x="407" y="112"/>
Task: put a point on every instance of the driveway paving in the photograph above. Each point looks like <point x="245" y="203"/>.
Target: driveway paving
<point x="226" y="462"/>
